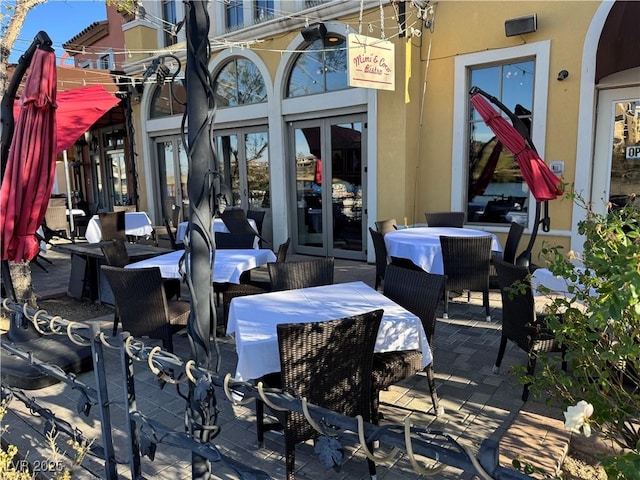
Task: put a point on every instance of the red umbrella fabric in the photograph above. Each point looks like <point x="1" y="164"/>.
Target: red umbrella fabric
<point x="78" y="109"/>
<point x="542" y="182"/>
<point x="30" y="172"/>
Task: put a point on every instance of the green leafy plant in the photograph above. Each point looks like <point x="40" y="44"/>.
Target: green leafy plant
<point x="598" y="322"/>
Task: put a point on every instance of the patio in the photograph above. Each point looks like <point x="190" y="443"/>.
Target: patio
<point x="478" y="404"/>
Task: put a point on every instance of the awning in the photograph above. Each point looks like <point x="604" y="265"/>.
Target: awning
<point x="77" y="111"/>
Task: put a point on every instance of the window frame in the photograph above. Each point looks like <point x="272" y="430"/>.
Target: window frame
<point x="235" y="60"/>
<point x="539" y="52"/>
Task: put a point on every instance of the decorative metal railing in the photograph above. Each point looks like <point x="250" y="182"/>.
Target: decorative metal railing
<point x="171" y="368"/>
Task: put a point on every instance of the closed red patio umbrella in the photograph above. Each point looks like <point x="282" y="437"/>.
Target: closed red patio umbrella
<point x="542" y="182"/>
<point x="30" y="171"/>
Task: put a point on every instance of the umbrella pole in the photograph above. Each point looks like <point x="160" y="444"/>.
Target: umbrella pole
<point x="69" y="200"/>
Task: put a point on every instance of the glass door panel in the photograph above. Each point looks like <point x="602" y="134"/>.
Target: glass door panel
<point x="624" y="182"/>
<point x="329" y="179"/>
<point x="309" y="193"/>
<point x="346" y="185"/>
<point x="118" y="174"/>
<point x="227" y="149"/>
<point x="616" y="175"/>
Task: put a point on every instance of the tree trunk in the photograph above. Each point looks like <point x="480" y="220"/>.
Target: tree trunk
<point x="22" y="283"/>
<point x="20" y="11"/>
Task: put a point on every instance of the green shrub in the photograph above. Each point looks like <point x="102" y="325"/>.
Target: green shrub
<point x="599" y="325"/>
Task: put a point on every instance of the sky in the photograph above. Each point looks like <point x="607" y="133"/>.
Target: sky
<point x="61" y="20"/>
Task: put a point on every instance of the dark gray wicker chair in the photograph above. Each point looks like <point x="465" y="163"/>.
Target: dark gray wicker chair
<point x="171" y="237"/>
<point x="234" y="240"/>
<point x="283" y="249"/>
<point x="520" y="323"/>
<point x="142" y="305"/>
<point x="382" y="257"/>
<point x="116" y="255"/>
<point x="231" y="291"/>
<point x="386" y="226"/>
<point x="445" y="219"/>
<point x="466" y="265"/>
<point x="237" y="222"/>
<point x="281" y="257"/>
<point x="112" y="225"/>
<point x="329" y="363"/>
<point x="509" y="252"/>
<point x="513" y="240"/>
<point x="405" y="263"/>
<point x="419" y="292"/>
<point x="308" y="273"/>
<point x="258" y="217"/>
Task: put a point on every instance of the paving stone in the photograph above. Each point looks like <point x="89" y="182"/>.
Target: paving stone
<point x="478" y="404"/>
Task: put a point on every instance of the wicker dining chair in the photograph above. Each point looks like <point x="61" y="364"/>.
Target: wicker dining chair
<point x="281" y="257"/>
<point x="116" y="255"/>
<point x="258" y="217"/>
<point x="303" y="274"/>
<point x="509" y="252"/>
<point x="142" y="305"/>
<point x="520" y="322"/>
<point x="445" y="219"/>
<point x="386" y="226"/>
<point x="234" y="240"/>
<point x="405" y="263"/>
<point x="466" y="265"/>
<point x="112" y="225"/>
<point x="419" y="292"/>
<point x="382" y="257"/>
<point x="330" y="364"/>
<point x="56" y="222"/>
<point x="237" y="222"/>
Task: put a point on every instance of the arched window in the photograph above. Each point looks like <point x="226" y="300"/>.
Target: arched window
<point x="168" y="100"/>
<point x="321" y="68"/>
<point x="239" y="83"/>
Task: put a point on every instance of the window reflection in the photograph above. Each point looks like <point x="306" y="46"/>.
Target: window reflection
<point x="496" y="190"/>
<point x="322" y="67"/>
<point x="625" y="158"/>
<point x="239" y="83"/>
<point x="168" y="99"/>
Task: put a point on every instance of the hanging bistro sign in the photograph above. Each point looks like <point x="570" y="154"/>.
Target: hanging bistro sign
<point x="371" y="62"/>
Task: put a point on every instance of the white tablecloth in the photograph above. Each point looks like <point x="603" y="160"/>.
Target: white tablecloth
<point x="542" y="277"/>
<point x="228" y="266"/>
<point x="422" y="244"/>
<point x="253" y="319"/>
<point x="137" y="224"/>
<point x="218" y="226"/>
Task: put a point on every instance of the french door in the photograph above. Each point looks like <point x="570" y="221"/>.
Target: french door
<point x="243" y="163"/>
<point x="173" y="169"/>
<point x="327" y="158"/>
<point x="616" y="172"/>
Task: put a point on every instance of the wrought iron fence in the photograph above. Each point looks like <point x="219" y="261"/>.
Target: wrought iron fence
<point x="144" y="433"/>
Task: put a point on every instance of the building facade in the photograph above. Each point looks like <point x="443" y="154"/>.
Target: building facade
<point x="326" y="160"/>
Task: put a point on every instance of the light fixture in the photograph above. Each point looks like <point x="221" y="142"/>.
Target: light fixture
<point x="521" y="25"/>
<point x="315" y="31"/>
<point x="562" y="75"/>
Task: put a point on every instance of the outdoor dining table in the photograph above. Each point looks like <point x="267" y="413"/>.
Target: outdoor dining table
<point x="218" y="226"/>
<point x="86" y="278"/>
<point x="136" y="224"/>
<point x="253" y="320"/>
<point x="422" y="244"/>
<point x="228" y="266"/>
